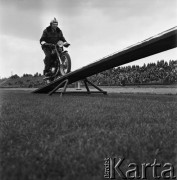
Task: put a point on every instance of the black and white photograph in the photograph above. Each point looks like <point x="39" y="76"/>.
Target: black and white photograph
<point x="88" y="89"/>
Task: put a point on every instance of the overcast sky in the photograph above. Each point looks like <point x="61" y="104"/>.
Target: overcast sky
<point x="95" y="28"/>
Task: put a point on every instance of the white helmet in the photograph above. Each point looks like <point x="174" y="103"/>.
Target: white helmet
<point x="54" y="21"/>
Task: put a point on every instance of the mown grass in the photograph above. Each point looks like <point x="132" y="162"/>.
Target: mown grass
<point x="49" y="137"/>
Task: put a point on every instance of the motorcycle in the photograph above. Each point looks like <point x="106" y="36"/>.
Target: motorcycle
<point x="60" y="61"/>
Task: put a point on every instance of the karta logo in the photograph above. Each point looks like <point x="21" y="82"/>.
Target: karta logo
<point x="113" y="169"/>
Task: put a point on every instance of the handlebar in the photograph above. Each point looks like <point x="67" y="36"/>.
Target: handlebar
<point x="54" y="45"/>
<point x="66" y="45"/>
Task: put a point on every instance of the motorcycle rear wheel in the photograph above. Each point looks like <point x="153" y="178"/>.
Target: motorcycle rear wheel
<point x="65" y="67"/>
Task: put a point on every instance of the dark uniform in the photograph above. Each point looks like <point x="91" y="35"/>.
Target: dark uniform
<point x="50" y="35"/>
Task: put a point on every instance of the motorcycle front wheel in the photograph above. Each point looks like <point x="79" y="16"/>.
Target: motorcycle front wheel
<point x="65" y="67"/>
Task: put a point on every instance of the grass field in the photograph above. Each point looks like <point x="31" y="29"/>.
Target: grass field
<point x="49" y="137"/>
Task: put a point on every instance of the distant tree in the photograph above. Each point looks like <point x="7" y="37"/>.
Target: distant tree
<point x="15" y="76"/>
<point x="20" y="82"/>
<point x="27" y="75"/>
<point x="36" y="74"/>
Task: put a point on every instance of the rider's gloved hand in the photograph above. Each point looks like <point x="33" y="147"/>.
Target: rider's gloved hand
<point x="43" y="42"/>
<point x="46" y="44"/>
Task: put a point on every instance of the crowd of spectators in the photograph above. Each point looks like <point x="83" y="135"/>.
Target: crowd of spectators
<point x="161" y="72"/>
<point x="153" y="73"/>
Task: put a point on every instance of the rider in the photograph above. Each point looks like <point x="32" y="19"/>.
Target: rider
<point x="52" y="34"/>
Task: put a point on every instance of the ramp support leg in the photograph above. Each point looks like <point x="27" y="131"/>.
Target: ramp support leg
<point x="96" y="87"/>
<point x="86" y="82"/>
<point x="86" y="86"/>
<point x="56" y="88"/>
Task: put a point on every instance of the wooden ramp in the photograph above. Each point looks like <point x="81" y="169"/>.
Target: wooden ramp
<point x="153" y="45"/>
